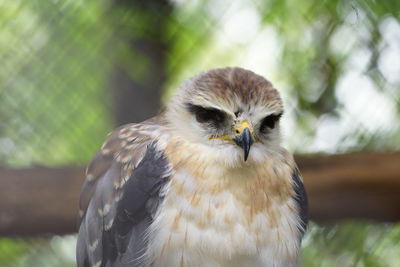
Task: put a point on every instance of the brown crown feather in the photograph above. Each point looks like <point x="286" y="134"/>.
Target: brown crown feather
<point x="228" y="82"/>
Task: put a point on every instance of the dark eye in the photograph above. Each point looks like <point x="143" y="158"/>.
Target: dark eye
<point x="270" y="121"/>
<point x="210" y="115"/>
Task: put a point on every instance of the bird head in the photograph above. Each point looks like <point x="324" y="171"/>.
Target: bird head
<point x="233" y="111"/>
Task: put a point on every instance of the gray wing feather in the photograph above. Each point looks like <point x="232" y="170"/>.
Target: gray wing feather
<point x="120" y="197"/>
<point x="301" y="199"/>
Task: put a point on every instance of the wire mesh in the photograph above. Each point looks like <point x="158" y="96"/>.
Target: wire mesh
<point x="335" y="62"/>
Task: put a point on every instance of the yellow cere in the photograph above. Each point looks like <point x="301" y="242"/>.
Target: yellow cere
<point x="245" y="124"/>
<point x="238" y="130"/>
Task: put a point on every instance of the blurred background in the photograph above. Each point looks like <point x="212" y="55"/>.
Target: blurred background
<point x="72" y="70"/>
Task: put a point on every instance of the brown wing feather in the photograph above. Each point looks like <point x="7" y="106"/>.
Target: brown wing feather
<point x="125" y="145"/>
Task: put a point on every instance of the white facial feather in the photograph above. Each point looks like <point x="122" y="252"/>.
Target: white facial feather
<point x="184" y="124"/>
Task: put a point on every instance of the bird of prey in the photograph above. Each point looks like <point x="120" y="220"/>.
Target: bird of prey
<point x="205" y="183"/>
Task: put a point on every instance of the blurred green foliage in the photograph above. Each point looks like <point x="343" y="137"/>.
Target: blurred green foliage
<point x="52" y="81"/>
<point x="352" y="243"/>
<point x="45" y="252"/>
<point x="334" y="61"/>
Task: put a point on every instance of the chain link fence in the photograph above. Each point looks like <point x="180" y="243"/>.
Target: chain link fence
<point x="69" y="69"/>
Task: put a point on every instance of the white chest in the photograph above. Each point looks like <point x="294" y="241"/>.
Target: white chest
<point x="215" y="224"/>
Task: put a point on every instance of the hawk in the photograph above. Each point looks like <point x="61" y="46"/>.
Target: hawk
<point x="205" y="183"/>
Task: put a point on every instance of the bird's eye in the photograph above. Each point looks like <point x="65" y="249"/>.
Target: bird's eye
<point x="204" y="115"/>
<point x="270" y="121"/>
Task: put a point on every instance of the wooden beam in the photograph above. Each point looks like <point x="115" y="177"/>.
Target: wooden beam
<point x="39" y="200"/>
<point x="358" y="185"/>
<point x="42" y="200"/>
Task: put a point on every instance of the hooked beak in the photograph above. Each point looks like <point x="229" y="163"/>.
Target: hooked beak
<point x="244" y="137"/>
